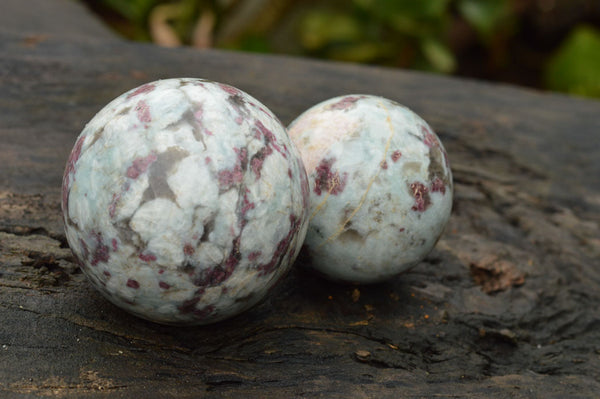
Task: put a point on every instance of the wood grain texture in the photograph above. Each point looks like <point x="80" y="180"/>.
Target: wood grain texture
<point x="507" y="305"/>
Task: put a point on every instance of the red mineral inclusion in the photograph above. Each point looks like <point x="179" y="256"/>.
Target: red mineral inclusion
<point x="147" y="88"/>
<point x="270" y="139"/>
<point x="84" y="248"/>
<point x="252" y="256"/>
<point x="234" y="258"/>
<point x="246" y="203"/>
<point x="188" y="249"/>
<point x="242" y="155"/>
<point x="258" y="159"/>
<point x="229" y="89"/>
<point x="216" y="275"/>
<point x="133" y="284"/>
<point x="327" y="180"/>
<point x="101" y="251"/>
<point x="438" y="186"/>
<point x="345" y="103"/>
<point x="204" y="312"/>
<point x="140" y="165"/>
<point x="112" y="208"/>
<point x="228" y="178"/>
<point x="69" y="170"/>
<point x="147" y="257"/>
<point x="304" y="185"/>
<point x="429" y="138"/>
<point x="421" y="196"/>
<point x="198" y="114"/>
<point x="282" y="248"/>
<point x="143" y="112"/>
<point x="100" y="254"/>
<point x="396" y="155"/>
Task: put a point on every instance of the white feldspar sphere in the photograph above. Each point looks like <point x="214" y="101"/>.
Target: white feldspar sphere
<point x="380" y="187"/>
<point x="184" y="201"/>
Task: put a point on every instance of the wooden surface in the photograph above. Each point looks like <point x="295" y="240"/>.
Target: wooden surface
<point x="507" y="305"/>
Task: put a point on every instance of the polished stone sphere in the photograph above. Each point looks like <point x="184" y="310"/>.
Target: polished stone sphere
<point x="184" y="201"/>
<point x="380" y="187"/>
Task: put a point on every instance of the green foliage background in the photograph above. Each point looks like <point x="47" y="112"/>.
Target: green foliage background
<point x="481" y="38"/>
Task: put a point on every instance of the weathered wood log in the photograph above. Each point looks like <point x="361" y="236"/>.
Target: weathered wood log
<point x="507" y="305"/>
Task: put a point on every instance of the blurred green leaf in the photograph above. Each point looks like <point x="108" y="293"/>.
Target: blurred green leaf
<point x="415" y="9"/>
<point x="319" y="28"/>
<point x="253" y="43"/>
<point x="575" y="67"/>
<point x="438" y="55"/>
<point x="484" y="15"/>
<point x="412" y="17"/>
<point x="361" y="52"/>
<point x="185" y="16"/>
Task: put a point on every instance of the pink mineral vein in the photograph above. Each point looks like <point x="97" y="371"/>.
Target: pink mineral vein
<point x="328" y="180"/>
<point x="143" y="112"/>
<point x="140" y="165"/>
<point x="147" y="88"/>
<point x="421" y="196"/>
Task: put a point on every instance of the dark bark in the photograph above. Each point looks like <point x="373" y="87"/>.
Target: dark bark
<point x="507" y="305"/>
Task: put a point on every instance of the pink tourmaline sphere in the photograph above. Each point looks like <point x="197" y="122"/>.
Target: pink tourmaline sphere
<point x="380" y="187"/>
<point x="184" y="201"/>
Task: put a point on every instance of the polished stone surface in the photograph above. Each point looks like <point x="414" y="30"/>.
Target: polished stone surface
<point x="184" y="201"/>
<point x="380" y="187"/>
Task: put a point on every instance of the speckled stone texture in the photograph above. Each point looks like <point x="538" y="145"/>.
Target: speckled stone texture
<point x="184" y="201"/>
<point x="380" y="187"/>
